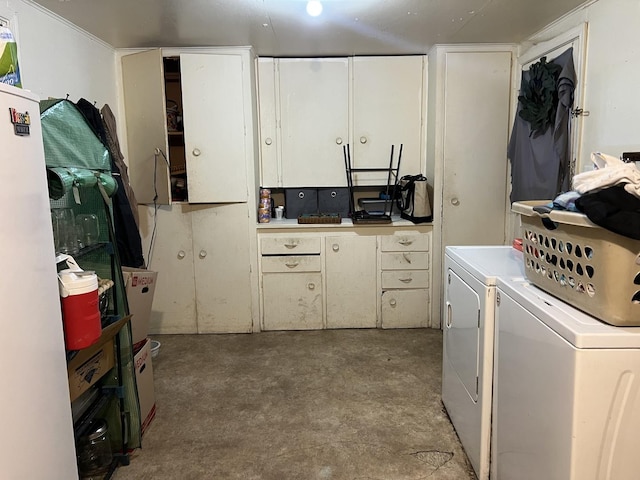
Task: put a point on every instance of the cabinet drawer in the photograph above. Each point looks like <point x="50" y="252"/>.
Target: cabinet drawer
<point x="405" y="242"/>
<point x="404" y="260"/>
<point x="289" y="245"/>
<point x="405" y="279"/>
<point x="291" y="263"/>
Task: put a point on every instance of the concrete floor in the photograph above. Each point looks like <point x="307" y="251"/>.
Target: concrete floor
<point x="330" y="405"/>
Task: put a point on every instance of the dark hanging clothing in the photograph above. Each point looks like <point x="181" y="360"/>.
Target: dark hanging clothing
<point x="128" y="239"/>
<point x="540" y="159"/>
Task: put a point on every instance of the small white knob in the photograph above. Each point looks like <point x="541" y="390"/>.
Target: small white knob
<point x="202" y="253"/>
<point x="455" y="202"/>
<point x="196" y="152"/>
<point x="335" y="247"/>
<point x="392" y="302"/>
<point x="181" y="254"/>
<point x="339" y="141"/>
<point x="363" y="140"/>
<point x="268" y="141"/>
<point x="311" y="286"/>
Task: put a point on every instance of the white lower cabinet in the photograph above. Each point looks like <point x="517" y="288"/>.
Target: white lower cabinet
<point x="201" y="254"/>
<point x="358" y="277"/>
<point x="404" y="263"/>
<point x="291" y="283"/>
<point x="351" y="281"/>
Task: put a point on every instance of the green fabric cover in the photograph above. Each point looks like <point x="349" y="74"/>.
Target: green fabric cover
<point x="62" y="179"/>
<point x="68" y="139"/>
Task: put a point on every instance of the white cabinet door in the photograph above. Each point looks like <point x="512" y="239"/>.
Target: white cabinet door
<point x="405" y="308"/>
<point x="222" y="268"/>
<point x="214" y="127"/>
<point x="269" y="164"/>
<point x="145" y="114"/>
<point x="476" y="127"/>
<point x="351" y="281"/>
<point x="388" y="98"/>
<point x="174" y="306"/>
<point x="314" y="116"/>
<point x="292" y="301"/>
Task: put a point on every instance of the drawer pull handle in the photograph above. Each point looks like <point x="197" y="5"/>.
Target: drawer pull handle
<point x="202" y="254"/>
<point x="406" y="280"/>
<point x="311" y="286"/>
<point x="335" y="247"/>
<point x="406" y="257"/>
<point x="292" y="264"/>
<point x="290" y="245"/>
<point x="268" y="141"/>
<point x="392" y="302"/>
<point x="339" y="141"/>
<point x="196" y="152"/>
<point x="181" y="254"/>
<point x="405" y="242"/>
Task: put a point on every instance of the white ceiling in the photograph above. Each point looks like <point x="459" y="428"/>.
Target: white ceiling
<point x="283" y="28"/>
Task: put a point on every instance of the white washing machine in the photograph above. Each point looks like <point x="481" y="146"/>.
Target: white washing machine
<point x="566" y="400"/>
<point x="468" y="330"/>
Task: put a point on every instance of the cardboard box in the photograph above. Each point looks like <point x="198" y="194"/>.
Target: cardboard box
<point x="89" y="366"/>
<point x="140" y="286"/>
<point x="144" y="380"/>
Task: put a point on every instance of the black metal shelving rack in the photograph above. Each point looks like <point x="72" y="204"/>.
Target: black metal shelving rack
<point x="360" y="216"/>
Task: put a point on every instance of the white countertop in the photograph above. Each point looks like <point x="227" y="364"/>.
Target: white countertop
<point x="346" y="223"/>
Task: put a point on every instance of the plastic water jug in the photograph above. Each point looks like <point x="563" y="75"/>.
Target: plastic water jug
<point x="80" y="311"/>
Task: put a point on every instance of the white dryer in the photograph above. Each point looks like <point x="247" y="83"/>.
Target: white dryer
<point x="566" y="391"/>
<point x="468" y="328"/>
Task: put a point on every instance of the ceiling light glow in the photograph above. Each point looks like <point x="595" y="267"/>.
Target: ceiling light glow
<point x="314" y="8"/>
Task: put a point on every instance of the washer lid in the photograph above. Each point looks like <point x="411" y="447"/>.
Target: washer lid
<point x="578" y="328"/>
<point x="487" y="263"/>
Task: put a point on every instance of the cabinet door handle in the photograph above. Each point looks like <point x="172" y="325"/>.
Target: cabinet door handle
<point x="202" y="254"/>
<point x="392" y="302"/>
<point x="196" y="152"/>
<point x="405" y="243"/>
<point x="311" y="286"/>
<point x="363" y="140"/>
<point x="406" y="280"/>
<point x="339" y="141"/>
<point x="268" y="141"/>
<point x="181" y="254"/>
<point x="335" y="247"/>
<point x="455" y="202"/>
<point x="290" y="245"/>
<point x="406" y="257"/>
<point x="292" y="264"/>
<point x="449" y="320"/>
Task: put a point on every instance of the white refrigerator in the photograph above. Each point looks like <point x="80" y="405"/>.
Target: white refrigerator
<point x="36" y="437"/>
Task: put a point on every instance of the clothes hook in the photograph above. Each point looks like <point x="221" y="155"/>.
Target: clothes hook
<point x="67" y="98"/>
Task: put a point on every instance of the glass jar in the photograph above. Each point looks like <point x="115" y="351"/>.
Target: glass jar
<point x="94" y="450"/>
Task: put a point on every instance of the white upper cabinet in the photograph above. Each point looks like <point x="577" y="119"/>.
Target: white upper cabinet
<point x="214" y="127"/>
<point x="145" y="113"/>
<point x="270" y="169"/>
<point x="388" y="98"/>
<point x="314" y="120"/>
<point x="209" y="150"/>
<point x="310" y="108"/>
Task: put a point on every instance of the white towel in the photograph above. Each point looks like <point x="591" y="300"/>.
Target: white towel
<point x="608" y="171"/>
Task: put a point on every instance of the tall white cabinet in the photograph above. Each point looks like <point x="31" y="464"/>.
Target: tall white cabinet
<point x="470" y="88"/>
<point x="310" y="108"/>
<point x="201" y="247"/>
